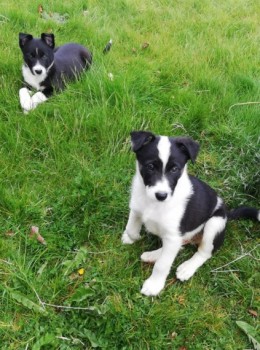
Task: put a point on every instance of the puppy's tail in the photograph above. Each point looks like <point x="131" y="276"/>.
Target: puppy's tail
<point x="244" y="213"/>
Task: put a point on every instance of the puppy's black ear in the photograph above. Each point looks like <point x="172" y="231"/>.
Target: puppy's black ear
<point x="48" y="39"/>
<point x="140" y="139"/>
<point x="188" y="146"/>
<point x="24" y="38"/>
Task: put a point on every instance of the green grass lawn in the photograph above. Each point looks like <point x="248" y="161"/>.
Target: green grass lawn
<point x="66" y="167"/>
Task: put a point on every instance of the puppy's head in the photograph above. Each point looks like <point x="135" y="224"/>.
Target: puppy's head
<point x="38" y="53"/>
<point x="161" y="161"/>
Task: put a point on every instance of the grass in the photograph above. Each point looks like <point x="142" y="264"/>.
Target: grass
<point x="67" y="167"/>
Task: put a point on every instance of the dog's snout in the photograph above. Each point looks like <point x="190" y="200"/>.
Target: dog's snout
<point x="161" y="196"/>
<point x="38" y="71"/>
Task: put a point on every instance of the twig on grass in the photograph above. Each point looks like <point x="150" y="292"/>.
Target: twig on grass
<point x="92" y="252"/>
<point x="6" y="262"/>
<point x="39" y="299"/>
<point x="201" y="91"/>
<point x="63" y="338"/>
<point x="238" y="258"/>
<point x="225" y="271"/>
<point x="69" y="339"/>
<point x="243" y="104"/>
<point x="69" y="307"/>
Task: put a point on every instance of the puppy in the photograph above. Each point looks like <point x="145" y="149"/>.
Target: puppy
<point x="174" y="206"/>
<point x="46" y="69"/>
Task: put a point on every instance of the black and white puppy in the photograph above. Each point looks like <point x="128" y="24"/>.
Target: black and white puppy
<point x="174" y="206"/>
<point x="46" y="69"/>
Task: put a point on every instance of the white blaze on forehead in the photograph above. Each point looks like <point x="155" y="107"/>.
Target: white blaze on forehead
<point x="164" y="148"/>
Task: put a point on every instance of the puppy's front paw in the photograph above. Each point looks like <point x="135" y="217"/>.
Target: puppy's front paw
<point x="185" y="271"/>
<point x="25" y="100"/>
<point x="152" y="256"/>
<point x="38" y="98"/>
<point x="126" y="239"/>
<point x="152" y="287"/>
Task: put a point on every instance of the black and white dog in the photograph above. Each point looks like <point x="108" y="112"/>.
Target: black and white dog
<point x="46" y="69"/>
<point x="174" y="206"/>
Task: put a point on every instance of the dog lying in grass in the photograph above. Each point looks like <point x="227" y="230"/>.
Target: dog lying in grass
<point x="47" y="69"/>
<point x="174" y="206"/>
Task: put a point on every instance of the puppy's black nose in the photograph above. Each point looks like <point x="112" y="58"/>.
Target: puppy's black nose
<point x="38" y="71"/>
<point x="161" y="196"/>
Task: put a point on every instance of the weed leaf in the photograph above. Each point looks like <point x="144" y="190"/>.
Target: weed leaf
<point x="20" y="298"/>
<point x="74" y="263"/>
<point x="81" y="294"/>
<point x="47" y="339"/>
<point x="95" y="343"/>
<point x="250" y="332"/>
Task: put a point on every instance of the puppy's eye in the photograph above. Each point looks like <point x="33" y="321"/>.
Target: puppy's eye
<point x="174" y="169"/>
<point x="150" y="167"/>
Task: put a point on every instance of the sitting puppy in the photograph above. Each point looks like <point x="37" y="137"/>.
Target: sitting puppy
<point x="174" y="206"/>
<point x="47" y="69"/>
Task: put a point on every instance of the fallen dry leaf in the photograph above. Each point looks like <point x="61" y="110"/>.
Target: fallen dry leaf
<point x="41" y="239"/>
<point x="252" y="312"/>
<point x="181" y="300"/>
<point x="171" y="281"/>
<point x="145" y="45"/>
<point x="73" y="276"/>
<point x="173" y="335"/>
<point x="35" y="231"/>
<point x="40" y="9"/>
<point x="9" y="233"/>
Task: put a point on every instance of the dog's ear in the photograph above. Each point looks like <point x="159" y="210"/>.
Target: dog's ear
<point x="24" y="38"/>
<point x="188" y="146"/>
<point x="140" y="139"/>
<point x="48" y="39"/>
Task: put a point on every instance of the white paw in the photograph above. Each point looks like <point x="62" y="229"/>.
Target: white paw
<point x="151" y="257"/>
<point x="25" y="99"/>
<point x="38" y="98"/>
<point x="126" y="239"/>
<point x="152" y="287"/>
<point x="186" y="270"/>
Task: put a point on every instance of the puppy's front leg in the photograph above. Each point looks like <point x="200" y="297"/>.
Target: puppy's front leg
<point x="133" y="228"/>
<point x="27" y="102"/>
<point x="155" y="283"/>
<point x="25" y="99"/>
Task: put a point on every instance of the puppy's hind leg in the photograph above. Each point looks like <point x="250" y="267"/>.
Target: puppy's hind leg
<point x="213" y="237"/>
<point x="133" y="228"/>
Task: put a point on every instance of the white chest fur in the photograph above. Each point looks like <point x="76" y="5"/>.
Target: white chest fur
<point x="33" y="80"/>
